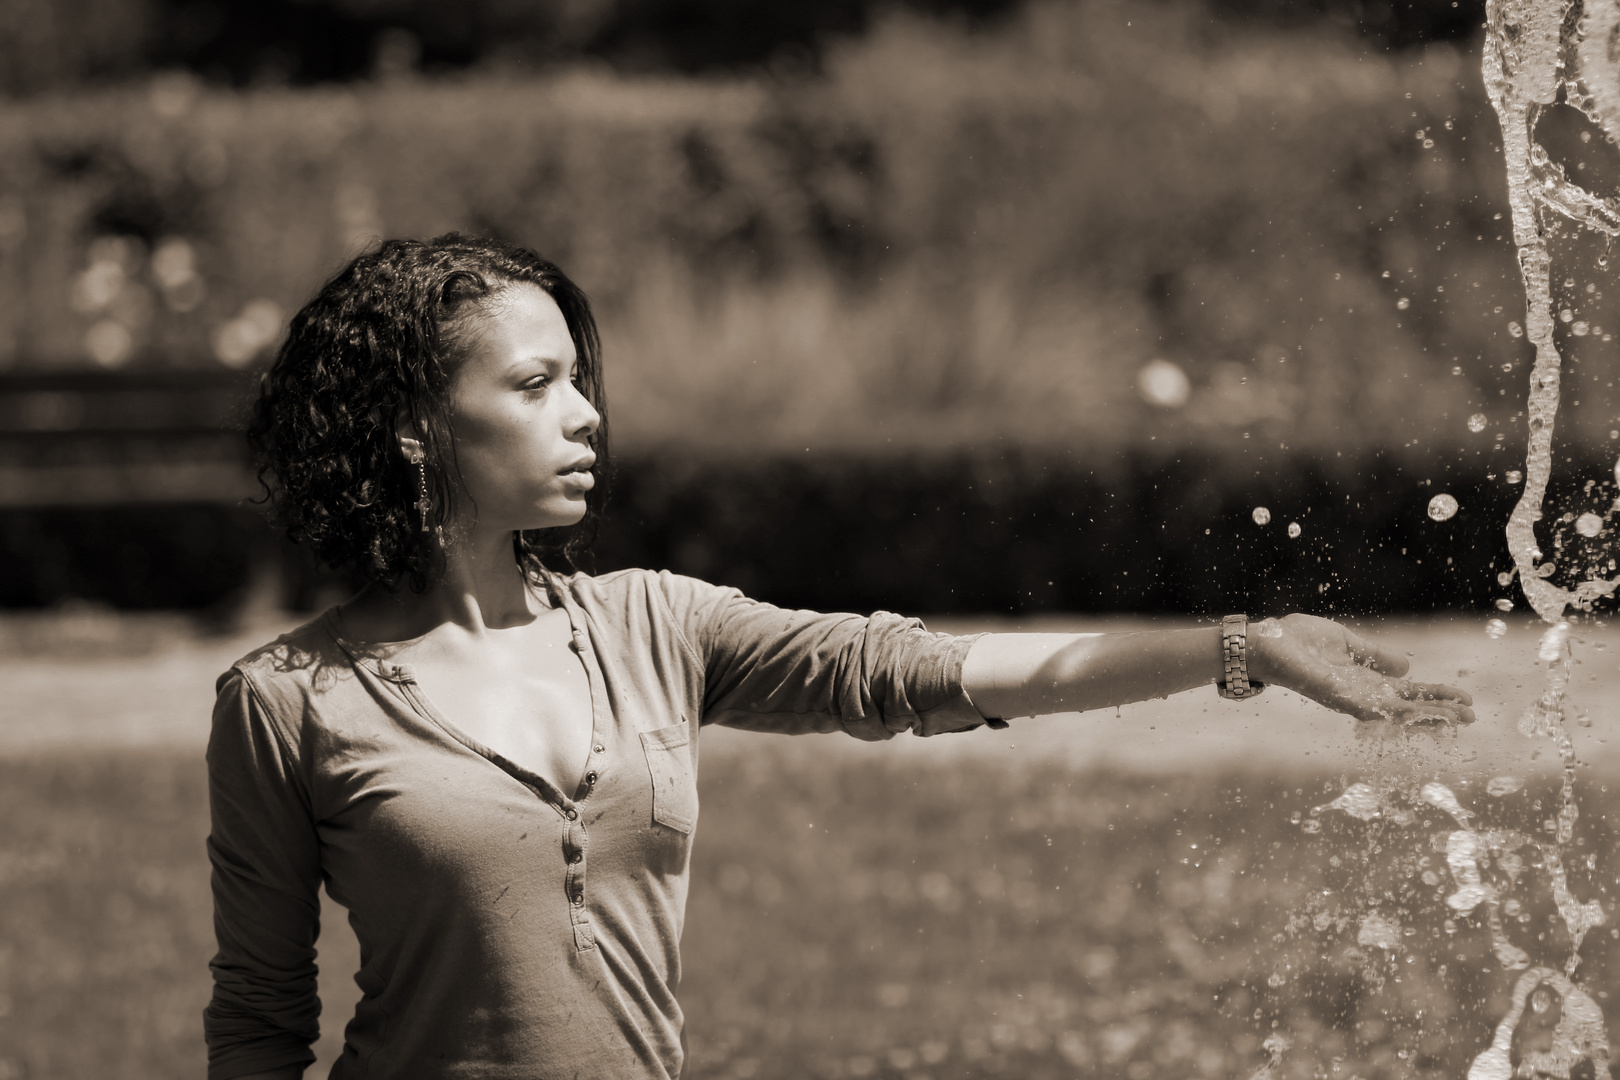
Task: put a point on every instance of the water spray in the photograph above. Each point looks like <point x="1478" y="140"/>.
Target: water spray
<point x="1538" y="54"/>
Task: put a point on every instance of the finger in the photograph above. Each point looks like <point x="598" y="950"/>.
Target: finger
<point x="1432" y="711"/>
<point x="1417" y="691"/>
<point x="1371" y="654"/>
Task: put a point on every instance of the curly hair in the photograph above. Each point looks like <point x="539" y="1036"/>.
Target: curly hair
<point x="380" y="342"/>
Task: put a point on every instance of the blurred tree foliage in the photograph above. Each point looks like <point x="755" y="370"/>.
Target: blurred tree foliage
<point x="52" y="44"/>
<point x="945" y="238"/>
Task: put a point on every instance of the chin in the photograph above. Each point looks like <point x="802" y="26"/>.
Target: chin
<point x="558" y="517"/>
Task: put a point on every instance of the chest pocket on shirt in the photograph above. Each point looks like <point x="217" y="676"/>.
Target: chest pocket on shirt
<point x="669" y="759"/>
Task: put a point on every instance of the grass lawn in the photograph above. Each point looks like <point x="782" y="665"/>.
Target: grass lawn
<point x="856" y="917"/>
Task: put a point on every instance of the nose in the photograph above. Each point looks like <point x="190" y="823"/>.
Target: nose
<point x="584" y="420"/>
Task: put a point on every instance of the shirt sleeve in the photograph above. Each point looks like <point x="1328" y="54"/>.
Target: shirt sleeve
<point x="266" y="874"/>
<point x="772" y="669"/>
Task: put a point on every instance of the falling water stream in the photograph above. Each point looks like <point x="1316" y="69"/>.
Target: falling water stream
<point x="1539" y="54"/>
<point x="1536" y="50"/>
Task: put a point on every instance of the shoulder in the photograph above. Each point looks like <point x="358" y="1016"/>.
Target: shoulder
<point x="284" y="674"/>
<point x="650" y="603"/>
<point x="640" y="587"/>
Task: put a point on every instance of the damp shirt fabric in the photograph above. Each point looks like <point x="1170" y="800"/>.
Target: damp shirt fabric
<point x="509" y="929"/>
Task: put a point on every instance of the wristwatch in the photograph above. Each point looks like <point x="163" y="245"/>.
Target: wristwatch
<point x="1234" y="682"/>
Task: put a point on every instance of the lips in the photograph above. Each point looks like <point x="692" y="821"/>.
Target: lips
<point x="583" y="465"/>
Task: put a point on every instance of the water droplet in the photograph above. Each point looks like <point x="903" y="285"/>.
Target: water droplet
<point x="1442" y="507"/>
<point x="1261" y="516"/>
<point x="1310" y="825"/>
<point x="1428" y="144"/>
<point x="1402" y="304"/>
<point x="1505" y="578"/>
<point x="1504" y="604"/>
<point x="1457" y="370"/>
<point x="1589" y="524"/>
<point x="1276" y="979"/>
<point x="1580" y="329"/>
<point x="1514" y="475"/>
<point x="1163" y="384"/>
<point x="1476" y="423"/>
<point x="1515" y="329"/>
<point x="1565" y="315"/>
<point x="1503" y="785"/>
<point x="1293" y="530"/>
<point x="1495" y="629"/>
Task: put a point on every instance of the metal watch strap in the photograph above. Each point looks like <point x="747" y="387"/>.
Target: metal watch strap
<point x="1234" y="682"/>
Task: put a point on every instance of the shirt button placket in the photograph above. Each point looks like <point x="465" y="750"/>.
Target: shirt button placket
<point x="574" y="843"/>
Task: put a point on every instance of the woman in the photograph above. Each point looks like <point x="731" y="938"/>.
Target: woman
<point x="491" y="762"/>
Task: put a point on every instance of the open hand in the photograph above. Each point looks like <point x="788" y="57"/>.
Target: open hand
<point x="1332" y="666"/>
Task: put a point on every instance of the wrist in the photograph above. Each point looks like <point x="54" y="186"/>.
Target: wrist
<point x="1262" y="633"/>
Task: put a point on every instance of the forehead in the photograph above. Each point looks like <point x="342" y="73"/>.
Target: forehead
<point x="520" y="323"/>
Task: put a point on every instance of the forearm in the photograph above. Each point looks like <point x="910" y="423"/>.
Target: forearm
<point x="1035" y="674"/>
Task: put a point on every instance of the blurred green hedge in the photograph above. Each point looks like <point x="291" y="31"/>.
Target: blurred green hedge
<point x="948" y="239"/>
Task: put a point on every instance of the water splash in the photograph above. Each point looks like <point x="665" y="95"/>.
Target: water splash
<point x="1275" y="1047"/>
<point x="1536" y="50"/>
<point x="1378" y="932"/>
<point x="1441" y="796"/>
<point x="1532" y="51"/>
<point x="1359" y="801"/>
<point x="1558" y="1030"/>
<point x="1503" y="785"/>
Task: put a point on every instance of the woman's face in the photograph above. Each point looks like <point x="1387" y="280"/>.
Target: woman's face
<point x="522" y="427"/>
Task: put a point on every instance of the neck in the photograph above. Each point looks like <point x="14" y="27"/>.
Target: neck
<point x="483" y="588"/>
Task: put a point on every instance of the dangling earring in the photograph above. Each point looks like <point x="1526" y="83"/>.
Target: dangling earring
<point x="423" y="505"/>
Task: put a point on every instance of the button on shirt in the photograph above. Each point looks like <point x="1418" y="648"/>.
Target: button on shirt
<point x="509" y="929"/>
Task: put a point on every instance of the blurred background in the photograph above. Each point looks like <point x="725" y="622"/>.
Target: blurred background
<point x="1053" y="314"/>
<point x="904" y="304"/>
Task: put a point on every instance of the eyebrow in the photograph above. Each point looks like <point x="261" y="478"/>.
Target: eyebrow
<point x="516" y="366"/>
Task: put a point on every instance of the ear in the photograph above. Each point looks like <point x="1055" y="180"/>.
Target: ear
<point x="411" y="446"/>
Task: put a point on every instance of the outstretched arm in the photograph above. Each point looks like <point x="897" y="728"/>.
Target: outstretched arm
<point x="1036" y="674"/>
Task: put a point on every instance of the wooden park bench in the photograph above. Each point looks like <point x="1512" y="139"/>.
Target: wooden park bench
<point x="110" y="438"/>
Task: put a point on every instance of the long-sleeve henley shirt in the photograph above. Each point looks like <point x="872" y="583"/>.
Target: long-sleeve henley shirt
<point x="508" y="929"/>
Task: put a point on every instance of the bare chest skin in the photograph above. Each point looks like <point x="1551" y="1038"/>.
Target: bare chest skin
<point x="522" y="692"/>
